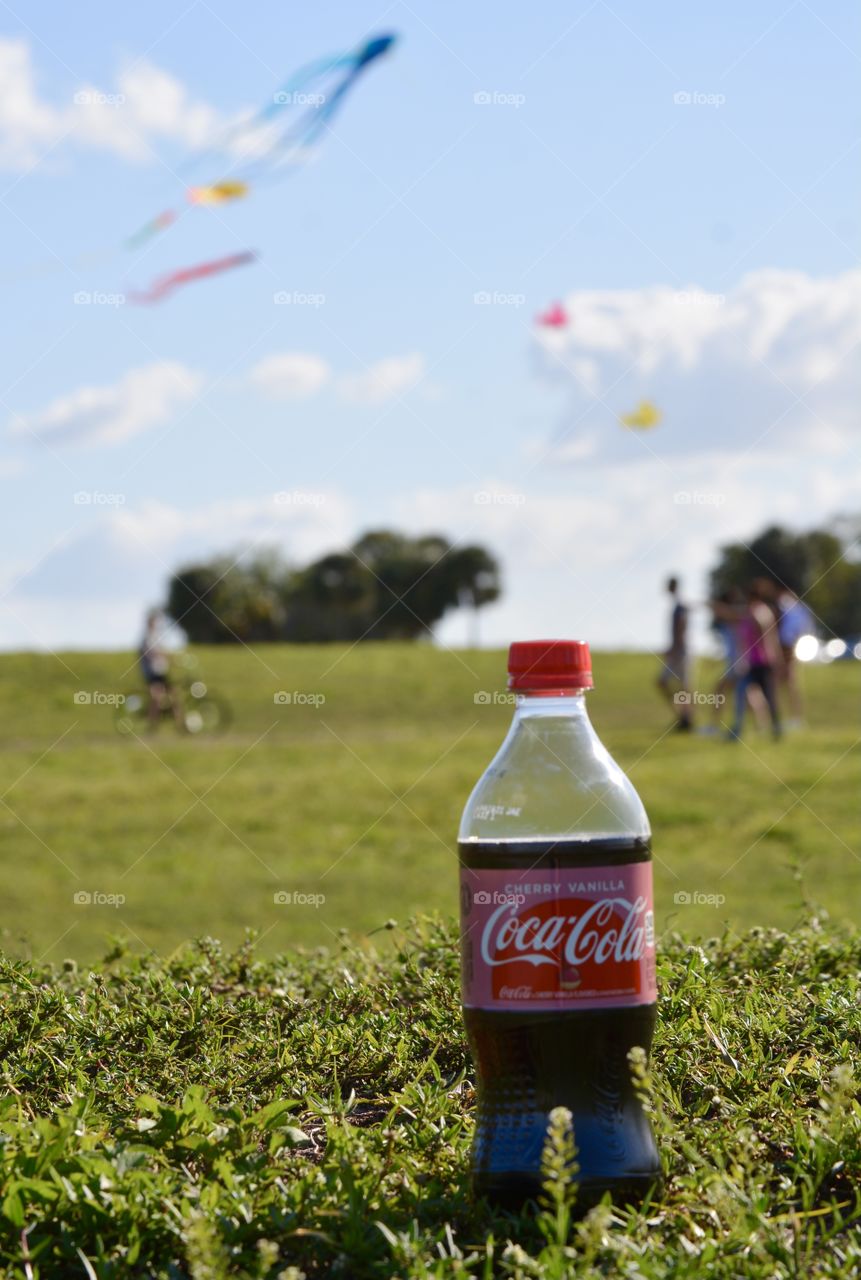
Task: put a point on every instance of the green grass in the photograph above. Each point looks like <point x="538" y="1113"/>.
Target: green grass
<point x="268" y="1113"/>
<point x="227" y="1115"/>
<point x="359" y="799"/>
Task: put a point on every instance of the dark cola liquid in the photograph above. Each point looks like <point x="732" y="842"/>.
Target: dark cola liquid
<point x="527" y="1063"/>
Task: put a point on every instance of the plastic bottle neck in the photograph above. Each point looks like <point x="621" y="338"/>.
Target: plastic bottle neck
<point x="571" y="704"/>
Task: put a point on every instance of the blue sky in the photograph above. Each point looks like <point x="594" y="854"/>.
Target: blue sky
<point x="704" y="249"/>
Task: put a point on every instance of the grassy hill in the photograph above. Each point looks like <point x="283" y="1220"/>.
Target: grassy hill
<point x="356" y="799"/>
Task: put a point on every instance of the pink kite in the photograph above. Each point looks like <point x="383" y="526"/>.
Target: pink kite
<point x="166" y="284"/>
<point x="555" y="317"/>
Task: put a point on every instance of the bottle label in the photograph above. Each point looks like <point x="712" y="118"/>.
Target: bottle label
<point x="558" y="938"/>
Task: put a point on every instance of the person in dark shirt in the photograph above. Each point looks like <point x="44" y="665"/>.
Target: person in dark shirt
<point x="674" y="678"/>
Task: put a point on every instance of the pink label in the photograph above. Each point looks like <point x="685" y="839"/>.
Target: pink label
<point x="565" y="938"/>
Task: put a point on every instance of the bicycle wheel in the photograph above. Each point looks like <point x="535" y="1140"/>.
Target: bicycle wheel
<point x="130" y="717"/>
<point x="205" y="713"/>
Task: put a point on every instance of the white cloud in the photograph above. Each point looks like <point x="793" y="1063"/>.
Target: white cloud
<point x="586" y="553"/>
<point x="770" y="365"/>
<point x="159" y="106"/>
<point x="143" y="398"/>
<point x="126" y="553"/>
<point x="146" y="106"/>
<point x="27" y="125"/>
<point x="293" y="375"/>
<point x="384" y="380"/>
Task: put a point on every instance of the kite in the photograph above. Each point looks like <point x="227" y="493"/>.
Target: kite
<point x="645" y="415"/>
<point x="262" y="146"/>
<point x="555" y="317"/>
<point x="174" y="279"/>
<point x="151" y="228"/>
<point x="298" y="91"/>
<point x="218" y="193"/>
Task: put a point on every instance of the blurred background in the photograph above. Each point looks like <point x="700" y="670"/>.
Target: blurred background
<point x="509" y="321"/>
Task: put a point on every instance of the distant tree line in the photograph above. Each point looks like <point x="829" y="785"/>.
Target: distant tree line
<point x="823" y="566"/>
<point x="386" y="586"/>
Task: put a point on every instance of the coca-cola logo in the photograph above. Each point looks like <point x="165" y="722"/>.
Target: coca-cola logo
<point x="613" y="929"/>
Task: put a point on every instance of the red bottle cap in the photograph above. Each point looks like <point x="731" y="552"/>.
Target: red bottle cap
<point x="549" y="665"/>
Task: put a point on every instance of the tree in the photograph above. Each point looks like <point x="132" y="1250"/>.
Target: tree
<point x="228" y="601"/>
<point x="330" y="600"/>
<point x="819" y="565"/>
<point x="386" y="586"/>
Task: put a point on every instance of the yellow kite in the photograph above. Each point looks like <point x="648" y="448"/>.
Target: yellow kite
<point x="218" y="192"/>
<point x="645" y="415"/>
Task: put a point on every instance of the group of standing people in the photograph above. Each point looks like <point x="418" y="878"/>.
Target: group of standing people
<point x="759" y="629"/>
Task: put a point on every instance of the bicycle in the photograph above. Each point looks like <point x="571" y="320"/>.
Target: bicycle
<point x="202" y="711"/>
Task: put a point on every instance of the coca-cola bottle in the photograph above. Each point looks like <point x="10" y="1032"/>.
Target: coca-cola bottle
<point x="557" y="941"/>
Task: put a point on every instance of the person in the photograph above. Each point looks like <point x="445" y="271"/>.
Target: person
<point x="155" y="669"/>
<point x="761" y="655"/>
<point x="728" y="610"/>
<point x="676" y="668"/>
<point x="795" y="621"/>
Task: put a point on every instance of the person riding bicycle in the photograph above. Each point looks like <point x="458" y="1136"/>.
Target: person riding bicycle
<point x="155" y="669"/>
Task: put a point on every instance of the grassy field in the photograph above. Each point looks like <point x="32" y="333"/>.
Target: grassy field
<point x="225" y="1115"/>
<point x="357" y="799"/>
<point x="206" y="1111"/>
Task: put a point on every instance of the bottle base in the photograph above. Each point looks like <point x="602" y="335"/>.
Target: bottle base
<point x="516" y="1191"/>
